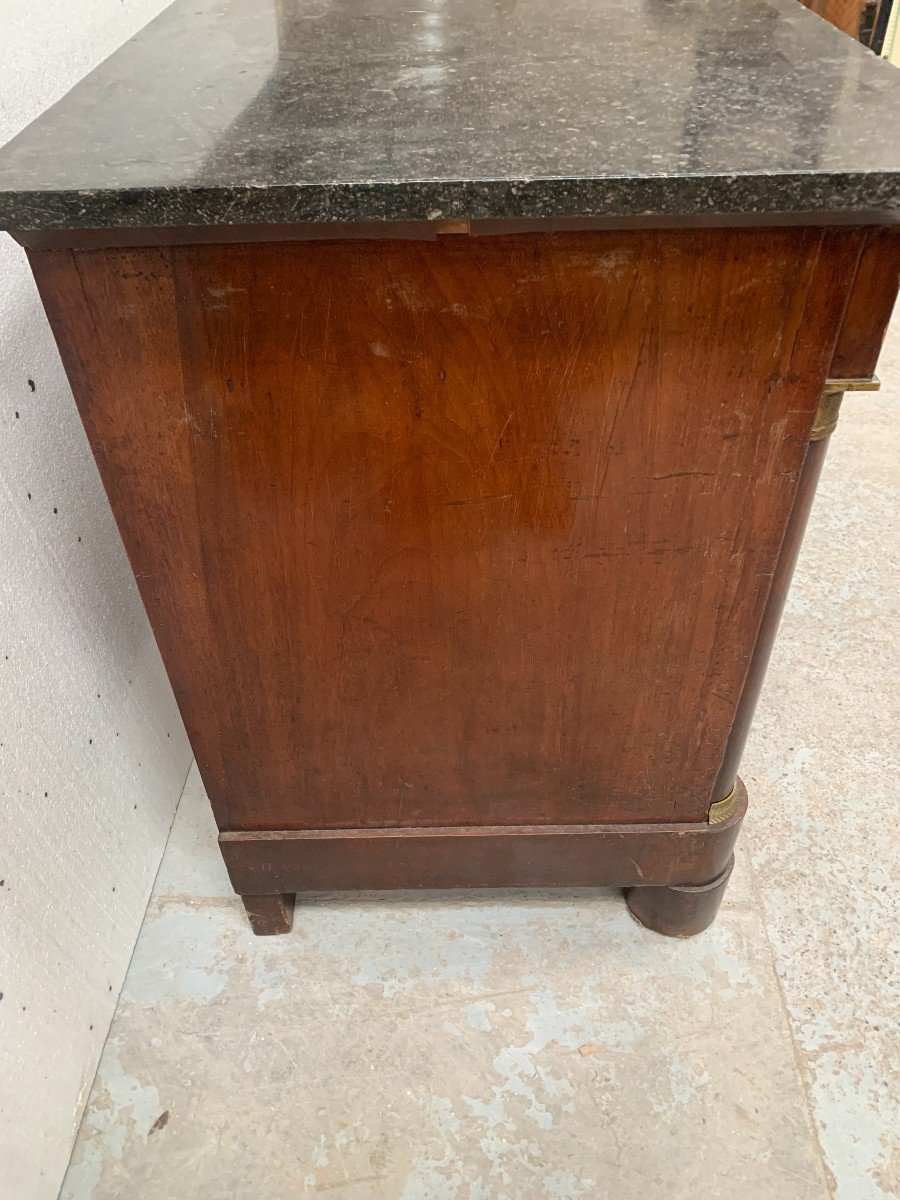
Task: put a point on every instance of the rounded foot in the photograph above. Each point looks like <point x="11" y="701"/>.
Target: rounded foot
<point x="678" y="911"/>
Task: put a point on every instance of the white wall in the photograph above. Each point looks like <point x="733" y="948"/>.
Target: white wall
<point x="92" y="752"/>
<point x="891" y="49"/>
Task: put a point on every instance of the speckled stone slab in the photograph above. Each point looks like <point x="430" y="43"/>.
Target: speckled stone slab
<point x="270" y="111"/>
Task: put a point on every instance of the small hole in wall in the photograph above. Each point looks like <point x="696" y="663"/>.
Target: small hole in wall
<point x="31" y="384"/>
<point x="17" y="416"/>
<point x="90" y="741"/>
<point x="29" y="495"/>
<point x="56" y="510"/>
<point x="79" y="539"/>
<point x="90" y="1027"/>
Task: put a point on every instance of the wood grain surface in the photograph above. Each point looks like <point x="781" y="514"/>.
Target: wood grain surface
<point x="863" y="326"/>
<point x="869" y="307"/>
<point x="472" y="531"/>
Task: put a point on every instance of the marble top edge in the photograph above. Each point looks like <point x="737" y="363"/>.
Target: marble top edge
<point x="544" y="198"/>
<point x="370" y="110"/>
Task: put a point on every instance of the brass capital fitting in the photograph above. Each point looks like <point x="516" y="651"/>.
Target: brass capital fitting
<point x="830" y="403"/>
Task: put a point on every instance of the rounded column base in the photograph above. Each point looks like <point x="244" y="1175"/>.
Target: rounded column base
<point x="678" y="911"/>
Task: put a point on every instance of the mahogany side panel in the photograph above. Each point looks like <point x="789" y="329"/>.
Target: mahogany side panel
<point x="846" y="15"/>
<point x="869" y="307"/>
<point x="863" y="326"/>
<point x="781" y="585"/>
<point x="472" y="531"/>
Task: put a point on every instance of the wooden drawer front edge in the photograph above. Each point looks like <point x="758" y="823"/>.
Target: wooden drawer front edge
<point x="467" y="856"/>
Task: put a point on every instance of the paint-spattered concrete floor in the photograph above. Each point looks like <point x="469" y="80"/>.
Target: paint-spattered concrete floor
<point x="511" y="1046"/>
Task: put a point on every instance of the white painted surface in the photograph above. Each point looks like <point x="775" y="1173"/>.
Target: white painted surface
<point x="92" y="751"/>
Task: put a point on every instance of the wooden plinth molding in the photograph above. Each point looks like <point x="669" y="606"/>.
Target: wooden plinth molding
<point x="275" y="863"/>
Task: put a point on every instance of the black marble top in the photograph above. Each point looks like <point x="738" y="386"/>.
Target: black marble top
<point x="259" y="111"/>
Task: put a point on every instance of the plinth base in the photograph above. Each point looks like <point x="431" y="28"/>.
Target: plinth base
<point x="659" y="864"/>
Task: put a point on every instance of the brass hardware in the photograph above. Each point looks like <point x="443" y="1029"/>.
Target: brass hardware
<point x="723" y="809"/>
<point x="826" y="415"/>
<point x="868" y="383"/>
<point x="830" y="404"/>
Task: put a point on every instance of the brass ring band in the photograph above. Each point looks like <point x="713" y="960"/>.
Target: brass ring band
<point x="723" y="809"/>
<point x="826" y="417"/>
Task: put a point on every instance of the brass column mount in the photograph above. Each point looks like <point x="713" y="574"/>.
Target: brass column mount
<point x="830" y="403"/>
<point x="722" y="809"/>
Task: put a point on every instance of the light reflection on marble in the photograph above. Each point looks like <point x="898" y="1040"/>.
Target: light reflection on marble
<point x="236" y="111"/>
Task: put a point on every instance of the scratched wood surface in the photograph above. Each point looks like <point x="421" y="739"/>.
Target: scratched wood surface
<point x="862" y="330"/>
<point x="477" y="530"/>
